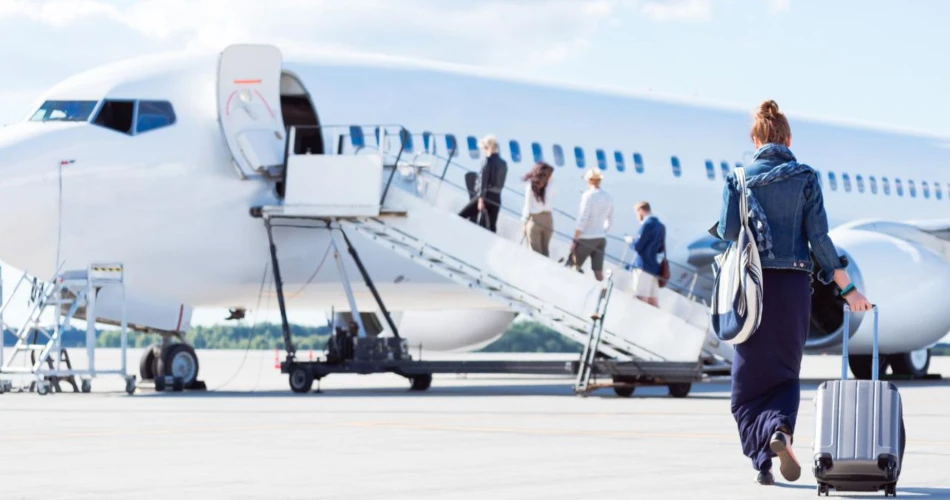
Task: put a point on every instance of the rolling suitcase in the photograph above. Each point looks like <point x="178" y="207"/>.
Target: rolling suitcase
<point x="859" y="429"/>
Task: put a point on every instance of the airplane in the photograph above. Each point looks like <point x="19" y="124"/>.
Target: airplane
<point x="155" y="161"/>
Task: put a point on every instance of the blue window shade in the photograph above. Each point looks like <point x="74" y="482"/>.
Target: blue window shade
<point x="618" y="159"/>
<point x="724" y="167"/>
<point x="886" y="186"/>
<point x="832" y="181"/>
<point x="472" y="146"/>
<point x="912" y="188"/>
<point x="356" y="136"/>
<point x="451" y="145"/>
<point x="925" y="188"/>
<point x="872" y="182"/>
<point x="579" y="156"/>
<point x="558" y="155"/>
<point x="710" y="170"/>
<point x="601" y="159"/>
<point x="428" y="142"/>
<point x="536" y="152"/>
<point x="154" y="115"/>
<point x="677" y="170"/>
<point x="898" y="187"/>
<point x="846" y="181"/>
<point x="938" y="191"/>
<point x="515" y="151"/>
<point x="638" y="163"/>
<point x="859" y="182"/>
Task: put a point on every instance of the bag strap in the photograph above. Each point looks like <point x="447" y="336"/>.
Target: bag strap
<point x="743" y="200"/>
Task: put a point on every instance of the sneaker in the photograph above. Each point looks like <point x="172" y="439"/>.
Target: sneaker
<point x="790" y="468"/>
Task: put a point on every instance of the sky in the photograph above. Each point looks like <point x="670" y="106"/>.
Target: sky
<point x="866" y="61"/>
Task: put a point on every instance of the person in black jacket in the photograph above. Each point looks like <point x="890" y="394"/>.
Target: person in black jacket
<point x="484" y="208"/>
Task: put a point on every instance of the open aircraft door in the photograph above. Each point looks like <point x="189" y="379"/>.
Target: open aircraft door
<point x="249" y="107"/>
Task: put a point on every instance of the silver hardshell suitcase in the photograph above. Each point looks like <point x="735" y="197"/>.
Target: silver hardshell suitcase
<point x="859" y="429"/>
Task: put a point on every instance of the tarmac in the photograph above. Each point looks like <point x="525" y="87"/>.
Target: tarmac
<point x="368" y="437"/>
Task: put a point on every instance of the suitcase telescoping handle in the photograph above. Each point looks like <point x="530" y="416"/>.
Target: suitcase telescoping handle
<point x="845" y="333"/>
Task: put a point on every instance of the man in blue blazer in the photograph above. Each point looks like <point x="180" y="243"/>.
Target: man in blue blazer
<point x="649" y="248"/>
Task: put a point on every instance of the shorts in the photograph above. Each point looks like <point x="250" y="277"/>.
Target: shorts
<point x="593" y="248"/>
<point x="645" y="284"/>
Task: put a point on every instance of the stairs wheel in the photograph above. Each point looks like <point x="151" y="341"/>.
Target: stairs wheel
<point x="301" y="379"/>
<point x="420" y="382"/>
<point x="42" y="387"/>
<point x="130" y="385"/>
<point x="680" y="390"/>
<point x="86" y="386"/>
<point x="624" y="391"/>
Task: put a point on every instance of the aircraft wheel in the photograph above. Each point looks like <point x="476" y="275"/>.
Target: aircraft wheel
<point x="914" y="363"/>
<point x="624" y="391"/>
<point x="178" y="360"/>
<point x="420" y="382"/>
<point x="148" y="362"/>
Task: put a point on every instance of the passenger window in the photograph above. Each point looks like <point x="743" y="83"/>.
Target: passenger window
<point x="601" y="159"/>
<point x="832" y="181"/>
<point x="154" y="115"/>
<point x="912" y="188"/>
<point x="515" y="151"/>
<point x="886" y="186"/>
<point x="846" y="182"/>
<point x="638" y="163"/>
<point x="618" y="159"/>
<point x="677" y="170"/>
<point x="558" y="155"/>
<point x="710" y="170"/>
<point x="859" y="180"/>
<point x="925" y="188"/>
<point x="898" y="187"/>
<point x="724" y="166"/>
<point x="356" y="137"/>
<point x="452" y="145"/>
<point x="472" y="146"/>
<point x="938" y="191"/>
<point x="579" y="156"/>
<point x="116" y="115"/>
<point x="536" y="152"/>
<point x="872" y="184"/>
<point x="405" y="137"/>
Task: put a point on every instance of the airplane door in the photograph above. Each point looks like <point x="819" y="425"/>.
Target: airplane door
<point x="249" y="107"/>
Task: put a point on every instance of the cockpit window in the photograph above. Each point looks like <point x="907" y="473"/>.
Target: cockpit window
<point x="117" y="115"/>
<point x="64" y="111"/>
<point x="153" y="115"/>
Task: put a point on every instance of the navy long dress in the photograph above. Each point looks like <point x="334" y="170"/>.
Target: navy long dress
<point x="765" y="371"/>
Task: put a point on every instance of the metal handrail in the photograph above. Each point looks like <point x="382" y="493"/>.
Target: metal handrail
<point x="695" y="277"/>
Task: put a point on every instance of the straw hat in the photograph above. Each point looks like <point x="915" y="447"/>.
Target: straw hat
<point x="593" y="173"/>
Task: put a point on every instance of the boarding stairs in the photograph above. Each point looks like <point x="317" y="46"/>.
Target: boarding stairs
<point x="38" y="352"/>
<point x="422" y="225"/>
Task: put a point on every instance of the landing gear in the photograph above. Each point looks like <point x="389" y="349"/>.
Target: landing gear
<point x="680" y="390"/>
<point x="861" y="365"/>
<point x="914" y="364"/>
<point x="420" y="382"/>
<point x="148" y="363"/>
<point x="178" y="361"/>
<point x="624" y="391"/>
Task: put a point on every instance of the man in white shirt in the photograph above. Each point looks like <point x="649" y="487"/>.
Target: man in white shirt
<point x="596" y="215"/>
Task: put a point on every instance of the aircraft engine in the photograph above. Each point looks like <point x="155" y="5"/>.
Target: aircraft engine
<point x="905" y="277"/>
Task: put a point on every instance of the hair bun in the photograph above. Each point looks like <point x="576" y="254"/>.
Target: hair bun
<point x="769" y="109"/>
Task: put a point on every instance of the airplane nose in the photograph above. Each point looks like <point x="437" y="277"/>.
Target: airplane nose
<point x="30" y="159"/>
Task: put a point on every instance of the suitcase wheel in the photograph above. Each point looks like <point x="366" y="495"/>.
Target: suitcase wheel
<point x="823" y="489"/>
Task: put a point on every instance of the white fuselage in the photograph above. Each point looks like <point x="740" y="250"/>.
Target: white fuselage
<point x="170" y="206"/>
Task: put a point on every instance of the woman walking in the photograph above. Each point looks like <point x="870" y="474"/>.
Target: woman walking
<point x="536" y="215"/>
<point x="786" y="214"/>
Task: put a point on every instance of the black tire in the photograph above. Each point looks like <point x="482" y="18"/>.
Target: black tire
<point x="861" y="365"/>
<point x="178" y="360"/>
<point x="906" y="364"/>
<point x="301" y="379"/>
<point x="624" y="391"/>
<point x="148" y="363"/>
<point x="420" y="382"/>
<point x="680" y="390"/>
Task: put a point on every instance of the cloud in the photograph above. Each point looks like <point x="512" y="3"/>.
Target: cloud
<point x="677" y="10"/>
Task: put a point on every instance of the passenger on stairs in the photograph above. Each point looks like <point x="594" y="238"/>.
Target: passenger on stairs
<point x="593" y="222"/>
<point x="648" y="247"/>
<point x="536" y="215"/>
<point x="787" y="214"/>
<point x="484" y="209"/>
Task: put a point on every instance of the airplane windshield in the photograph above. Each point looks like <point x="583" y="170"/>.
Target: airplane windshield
<point x="65" y="111"/>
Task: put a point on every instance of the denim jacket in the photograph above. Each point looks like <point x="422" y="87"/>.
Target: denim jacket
<point x="787" y="213"/>
<point x="648" y="244"/>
